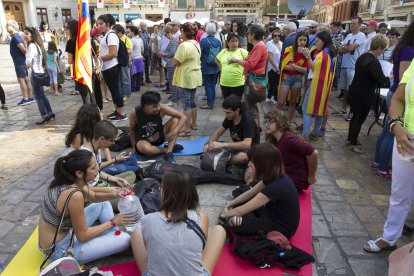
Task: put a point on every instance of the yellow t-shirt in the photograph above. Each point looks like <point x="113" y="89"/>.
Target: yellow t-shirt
<point x="127" y="41"/>
<point x="408" y="80"/>
<point x="188" y="74"/>
<point x="232" y="74"/>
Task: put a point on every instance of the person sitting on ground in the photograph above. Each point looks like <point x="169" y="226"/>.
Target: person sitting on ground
<point x="273" y="201"/>
<point x="104" y="135"/>
<point x="156" y="244"/>
<point x="299" y="158"/>
<point x="71" y="175"/>
<point x="147" y="131"/>
<point x="243" y="131"/>
<point x="82" y="132"/>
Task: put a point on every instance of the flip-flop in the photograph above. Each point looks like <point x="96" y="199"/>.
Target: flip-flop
<point x="184" y="133"/>
<point x="356" y="149"/>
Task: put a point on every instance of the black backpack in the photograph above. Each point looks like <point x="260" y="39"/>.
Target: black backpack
<point x="123" y="56"/>
<point x="148" y="190"/>
<point x="122" y="141"/>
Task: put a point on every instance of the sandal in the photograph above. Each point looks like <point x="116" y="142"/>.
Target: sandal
<point x="194" y="127"/>
<point x="184" y="133"/>
<point x="356" y="149"/>
<point x="379" y="245"/>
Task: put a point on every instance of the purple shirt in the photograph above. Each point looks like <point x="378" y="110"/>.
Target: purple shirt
<point x="405" y="54"/>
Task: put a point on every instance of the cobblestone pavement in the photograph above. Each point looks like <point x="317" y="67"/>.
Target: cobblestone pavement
<point x="349" y="202"/>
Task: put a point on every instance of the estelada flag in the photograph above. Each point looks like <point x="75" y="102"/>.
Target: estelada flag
<point x="323" y="75"/>
<point x="83" y="54"/>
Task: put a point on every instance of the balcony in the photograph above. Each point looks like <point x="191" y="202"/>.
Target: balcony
<point x="273" y="10"/>
<point x="121" y="2"/>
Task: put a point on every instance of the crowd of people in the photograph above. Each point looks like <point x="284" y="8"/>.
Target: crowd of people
<point x="293" y="69"/>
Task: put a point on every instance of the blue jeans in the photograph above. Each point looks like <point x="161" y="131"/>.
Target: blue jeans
<point x="385" y="142"/>
<point x="210" y="81"/>
<point x="42" y="101"/>
<point x="125" y="83"/>
<point x="307" y="118"/>
<point x="99" y="247"/>
<point x="128" y="165"/>
<point x="175" y="97"/>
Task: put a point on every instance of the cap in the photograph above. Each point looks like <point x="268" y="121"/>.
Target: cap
<point x="372" y="23"/>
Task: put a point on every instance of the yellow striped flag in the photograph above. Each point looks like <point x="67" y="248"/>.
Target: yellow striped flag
<point x="83" y="55"/>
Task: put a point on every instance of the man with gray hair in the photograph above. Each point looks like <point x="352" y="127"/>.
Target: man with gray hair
<point x="18" y="53"/>
<point x="175" y="24"/>
<point x="147" y="52"/>
<point x="289" y="31"/>
<point x="312" y="34"/>
<point x="210" y="48"/>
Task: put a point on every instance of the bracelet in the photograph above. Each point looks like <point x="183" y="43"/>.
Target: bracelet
<point x="116" y="161"/>
<point x="112" y="221"/>
<point x="395" y="118"/>
<point x="393" y="124"/>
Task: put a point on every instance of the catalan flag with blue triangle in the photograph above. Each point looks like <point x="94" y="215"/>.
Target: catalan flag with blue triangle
<point x="83" y="56"/>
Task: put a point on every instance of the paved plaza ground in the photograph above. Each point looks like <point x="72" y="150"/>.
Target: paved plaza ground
<point x="349" y="203"/>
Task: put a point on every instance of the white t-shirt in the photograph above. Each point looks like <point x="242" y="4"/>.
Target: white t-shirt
<point x="34" y="58"/>
<point x="275" y="50"/>
<point x="138" y="47"/>
<point x="104" y="49"/>
<point x="349" y="59"/>
<point x="368" y="42"/>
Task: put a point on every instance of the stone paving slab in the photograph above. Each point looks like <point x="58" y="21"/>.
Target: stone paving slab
<point x="349" y="202"/>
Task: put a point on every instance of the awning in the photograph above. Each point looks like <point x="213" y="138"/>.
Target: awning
<point x="191" y="16"/>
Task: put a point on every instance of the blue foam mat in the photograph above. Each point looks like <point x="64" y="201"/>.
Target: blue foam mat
<point x="191" y="146"/>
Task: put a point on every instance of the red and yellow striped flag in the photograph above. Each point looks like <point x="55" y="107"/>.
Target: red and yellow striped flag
<point x="83" y="61"/>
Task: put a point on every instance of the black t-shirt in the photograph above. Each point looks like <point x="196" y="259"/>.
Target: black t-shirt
<point x="71" y="47"/>
<point x="283" y="207"/>
<point x="246" y="128"/>
<point x="149" y="127"/>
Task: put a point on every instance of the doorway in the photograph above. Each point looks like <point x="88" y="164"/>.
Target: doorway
<point x="14" y="11"/>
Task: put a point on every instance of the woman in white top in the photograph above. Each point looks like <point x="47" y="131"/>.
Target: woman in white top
<point x="274" y="48"/>
<point x="35" y="62"/>
<point x="108" y="52"/>
<point x="137" y="65"/>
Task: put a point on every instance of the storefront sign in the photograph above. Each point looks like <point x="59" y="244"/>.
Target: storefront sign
<point x="132" y="16"/>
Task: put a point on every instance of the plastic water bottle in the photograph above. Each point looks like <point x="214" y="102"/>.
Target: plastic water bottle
<point x="130" y="204"/>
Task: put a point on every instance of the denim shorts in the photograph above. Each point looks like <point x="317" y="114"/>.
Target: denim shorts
<point x="187" y="97"/>
<point x="61" y="247"/>
<point x="21" y="71"/>
<point x="292" y="81"/>
<point x="205" y="272"/>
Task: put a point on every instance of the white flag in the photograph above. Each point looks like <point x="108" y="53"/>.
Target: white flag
<point x="161" y="3"/>
<point x="100" y="4"/>
<point x="134" y="2"/>
<point x="126" y="4"/>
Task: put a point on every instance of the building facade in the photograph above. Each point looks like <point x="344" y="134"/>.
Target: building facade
<point x="241" y="10"/>
<point x="322" y="11"/>
<point x="272" y="12"/>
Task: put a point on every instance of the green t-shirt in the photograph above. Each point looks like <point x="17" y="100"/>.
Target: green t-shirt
<point x="188" y="74"/>
<point x="408" y="80"/>
<point x="231" y="74"/>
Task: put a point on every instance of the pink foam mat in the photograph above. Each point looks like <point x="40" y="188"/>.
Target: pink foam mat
<point x="230" y="264"/>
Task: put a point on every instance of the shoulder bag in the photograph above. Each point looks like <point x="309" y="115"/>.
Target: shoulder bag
<point x="257" y="88"/>
<point x="40" y="79"/>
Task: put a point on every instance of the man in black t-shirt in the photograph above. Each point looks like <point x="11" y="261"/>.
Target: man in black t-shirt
<point x="242" y="127"/>
<point x="147" y="131"/>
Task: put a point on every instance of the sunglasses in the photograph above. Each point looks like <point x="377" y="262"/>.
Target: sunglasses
<point x="276" y="35"/>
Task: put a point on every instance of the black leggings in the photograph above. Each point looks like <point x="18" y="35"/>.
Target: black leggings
<point x="112" y="78"/>
<point x="359" y="115"/>
<point x="227" y="91"/>
<point x="97" y="91"/>
<point x="273" y="83"/>
<point x="2" y="95"/>
<point x="251" y="225"/>
<point x="86" y="95"/>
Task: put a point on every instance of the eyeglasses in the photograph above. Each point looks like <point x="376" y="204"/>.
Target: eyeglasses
<point x="312" y="27"/>
<point x="276" y="35"/>
<point x="268" y="122"/>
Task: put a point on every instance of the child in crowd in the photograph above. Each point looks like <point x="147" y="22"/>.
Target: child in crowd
<point x="82" y="132"/>
<point x="300" y="159"/>
<point x="273" y="201"/>
<point x="52" y="67"/>
<point x="176" y="240"/>
<point x="72" y="173"/>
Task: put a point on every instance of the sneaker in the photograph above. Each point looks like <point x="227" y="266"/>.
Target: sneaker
<point x="322" y="132"/>
<point x="112" y="115"/>
<point x="206" y="107"/>
<point x="169" y="157"/>
<point x="118" y="117"/>
<point x="31" y="100"/>
<point x="339" y="112"/>
<point x="374" y="165"/>
<point x="23" y="102"/>
<point x="348" y="117"/>
<point x="385" y="175"/>
<point x="177" y="147"/>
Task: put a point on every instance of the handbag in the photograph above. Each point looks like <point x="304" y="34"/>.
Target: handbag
<point x="216" y="160"/>
<point x="401" y="261"/>
<point x="69" y="254"/>
<point x="40" y="79"/>
<point x="257" y="91"/>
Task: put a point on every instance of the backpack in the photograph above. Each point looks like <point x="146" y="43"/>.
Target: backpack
<point x="215" y="160"/>
<point x="123" y="56"/>
<point x="212" y="54"/>
<point x="122" y="141"/>
<point x="148" y="190"/>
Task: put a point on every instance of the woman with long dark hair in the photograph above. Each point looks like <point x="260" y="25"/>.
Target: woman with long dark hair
<point x="36" y="61"/>
<point x="293" y="66"/>
<point x="321" y="62"/>
<point x="240" y="29"/>
<point x="273" y="201"/>
<point x="178" y="226"/>
<point x="71" y="176"/>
